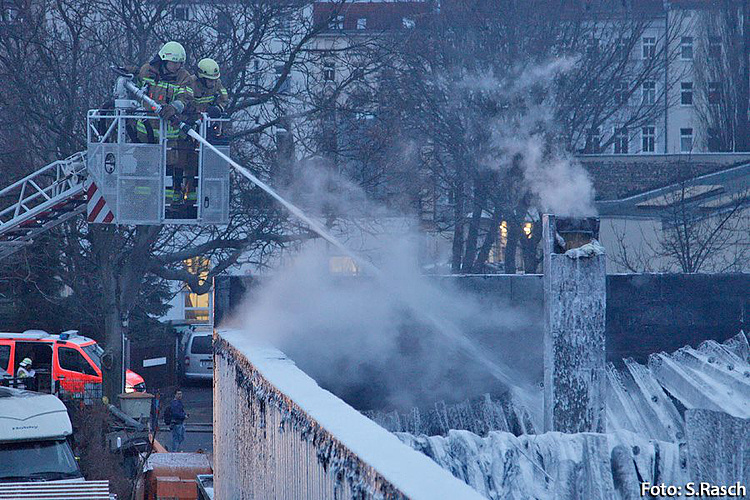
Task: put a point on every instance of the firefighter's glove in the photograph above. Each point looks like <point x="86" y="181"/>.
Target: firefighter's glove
<point x="167" y="111"/>
<point x="214" y="112"/>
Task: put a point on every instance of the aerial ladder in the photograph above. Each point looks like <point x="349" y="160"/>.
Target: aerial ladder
<point x="120" y="178"/>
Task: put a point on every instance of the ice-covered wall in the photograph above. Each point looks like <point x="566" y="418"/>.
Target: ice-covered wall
<point x="278" y="435"/>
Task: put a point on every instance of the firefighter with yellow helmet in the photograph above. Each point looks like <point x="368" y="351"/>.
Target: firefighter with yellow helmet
<point x="168" y="83"/>
<point x="210" y="97"/>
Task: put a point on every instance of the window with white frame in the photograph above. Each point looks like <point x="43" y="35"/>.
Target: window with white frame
<point x="648" y="47"/>
<point x="621" y="93"/>
<point x="686" y="48"/>
<point x="686" y="93"/>
<point x="362" y="23"/>
<point x="593" y="141"/>
<point x="10" y="12"/>
<point x="622" y="46"/>
<point x="649" y="92"/>
<point x="336" y="23"/>
<point x="686" y="140"/>
<point x="621" y="140"/>
<point x="182" y="12"/>
<point x="329" y="71"/>
<point x="648" y="139"/>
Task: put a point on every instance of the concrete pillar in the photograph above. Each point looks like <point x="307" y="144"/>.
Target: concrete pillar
<point x="574" y="319"/>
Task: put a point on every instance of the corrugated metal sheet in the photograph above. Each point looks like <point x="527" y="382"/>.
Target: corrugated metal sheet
<point x="83" y="490"/>
<point x="650" y="400"/>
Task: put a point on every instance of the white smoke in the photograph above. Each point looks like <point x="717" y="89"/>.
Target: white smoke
<point x="526" y="132"/>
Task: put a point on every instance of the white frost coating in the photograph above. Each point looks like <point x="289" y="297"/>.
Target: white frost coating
<point x="412" y="473"/>
<point x="552" y="465"/>
<point x="587" y="250"/>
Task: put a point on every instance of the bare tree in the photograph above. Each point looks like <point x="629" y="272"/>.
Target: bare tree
<point x="61" y="52"/>
<point x="692" y="239"/>
<point x="722" y="73"/>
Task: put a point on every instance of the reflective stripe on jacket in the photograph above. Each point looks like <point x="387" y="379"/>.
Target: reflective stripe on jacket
<point x="164" y="89"/>
<point x="203" y="97"/>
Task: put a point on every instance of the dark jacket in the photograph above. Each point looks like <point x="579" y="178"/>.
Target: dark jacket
<point x="203" y="97"/>
<point x="177" y="411"/>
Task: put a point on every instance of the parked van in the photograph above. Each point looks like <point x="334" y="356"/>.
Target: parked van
<point x="34" y="432"/>
<point x="198" y="359"/>
<point x="68" y="358"/>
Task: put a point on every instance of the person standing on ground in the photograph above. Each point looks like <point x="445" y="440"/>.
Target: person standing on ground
<point x="26" y="372"/>
<point x="177" y="418"/>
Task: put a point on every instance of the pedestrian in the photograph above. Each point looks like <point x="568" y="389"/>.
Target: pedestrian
<point x="210" y="97"/>
<point x="175" y="415"/>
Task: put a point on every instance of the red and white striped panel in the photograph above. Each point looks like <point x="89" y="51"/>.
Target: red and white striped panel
<point x="96" y="206"/>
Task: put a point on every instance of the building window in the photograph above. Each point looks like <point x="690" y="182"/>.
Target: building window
<point x="362" y="23"/>
<point x="343" y="265"/>
<point x="686" y="48"/>
<point x="279" y="70"/>
<point x="649" y="92"/>
<point x="223" y="27"/>
<point x="621" y="93"/>
<point x="621" y="140"/>
<point x="593" y="48"/>
<point x="648" y="46"/>
<point x="714" y="92"/>
<point x="593" y="141"/>
<point x="714" y="47"/>
<point x="714" y="140"/>
<point x="182" y="12"/>
<point x="686" y="93"/>
<point x="198" y="307"/>
<point x="10" y="13"/>
<point x="686" y="140"/>
<point x="621" y="45"/>
<point x="329" y="71"/>
<point x="648" y="139"/>
<point x="497" y="253"/>
<point x="358" y="73"/>
<point x="336" y="23"/>
<point x="407" y="22"/>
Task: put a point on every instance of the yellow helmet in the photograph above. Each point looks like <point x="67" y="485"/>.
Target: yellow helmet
<point x="172" y="51"/>
<point x="208" y="68"/>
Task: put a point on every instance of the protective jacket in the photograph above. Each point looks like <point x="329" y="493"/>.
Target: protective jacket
<point x="177" y="411"/>
<point x="24" y="373"/>
<point x="203" y="97"/>
<point x="164" y="89"/>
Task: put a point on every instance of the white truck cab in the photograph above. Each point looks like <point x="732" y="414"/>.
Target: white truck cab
<point x="34" y="432"/>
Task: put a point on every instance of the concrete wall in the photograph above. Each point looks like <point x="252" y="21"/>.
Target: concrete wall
<point x="278" y="435"/>
<point x="646" y="313"/>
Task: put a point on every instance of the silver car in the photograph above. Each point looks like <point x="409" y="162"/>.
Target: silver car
<point x="198" y="362"/>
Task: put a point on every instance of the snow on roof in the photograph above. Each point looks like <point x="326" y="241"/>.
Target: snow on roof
<point x="411" y="472"/>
